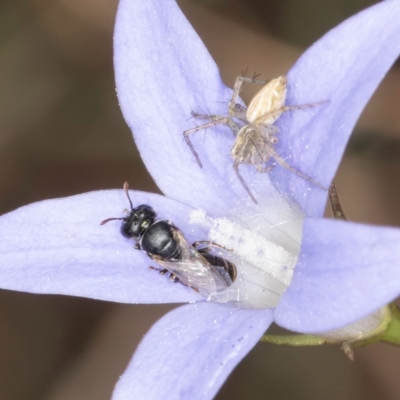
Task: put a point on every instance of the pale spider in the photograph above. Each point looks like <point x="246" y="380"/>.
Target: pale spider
<point x="255" y="140"/>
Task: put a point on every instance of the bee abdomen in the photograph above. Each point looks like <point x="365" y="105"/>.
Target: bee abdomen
<point x="221" y="263"/>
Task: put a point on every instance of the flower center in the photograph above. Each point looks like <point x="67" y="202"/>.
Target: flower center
<point x="263" y="241"/>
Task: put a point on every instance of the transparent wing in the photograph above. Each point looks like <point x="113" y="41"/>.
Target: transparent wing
<point x="193" y="269"/>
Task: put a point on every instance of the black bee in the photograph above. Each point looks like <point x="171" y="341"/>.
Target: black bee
<point x="192" y="265"/>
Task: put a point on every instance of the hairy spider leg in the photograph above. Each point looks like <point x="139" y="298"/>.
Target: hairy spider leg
<point x="279" y="111"/>
<point x="214" y="121"/>
<point x="235" y="109"/>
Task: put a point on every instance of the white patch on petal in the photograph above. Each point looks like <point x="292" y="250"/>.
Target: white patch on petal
<point x="263" y="241"/>
<point x="255" y="249"/>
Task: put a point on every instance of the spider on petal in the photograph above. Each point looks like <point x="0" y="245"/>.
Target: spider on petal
<point x="254" y="141"/>
<point x="344" y="270"/>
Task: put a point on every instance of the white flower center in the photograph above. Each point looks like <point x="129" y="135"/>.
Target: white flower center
<point x="263" y="241"/>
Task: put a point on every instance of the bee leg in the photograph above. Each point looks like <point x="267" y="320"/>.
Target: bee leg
<point x="161" y="271"/>
<point x="209" y="246"/>
<point x="213" y="244"/>
<point x="137" y="246"/>
<point x="206" y="243"/>
<point x="173" y="278"/>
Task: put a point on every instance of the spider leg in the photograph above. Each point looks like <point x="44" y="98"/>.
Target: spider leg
<point x="293" y="170"/>
<point x="275" y="114"/>
<point x="242" y="181"/>
<point x="214" y="120"/>
<point x="234" y="108"/>
<point x="335" y="203"/>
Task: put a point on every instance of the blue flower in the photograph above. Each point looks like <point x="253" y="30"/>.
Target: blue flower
<point x="345" y="271"/>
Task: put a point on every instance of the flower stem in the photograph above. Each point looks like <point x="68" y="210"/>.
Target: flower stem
<point x="392" y="333"/>
<point x="296" y="340"/>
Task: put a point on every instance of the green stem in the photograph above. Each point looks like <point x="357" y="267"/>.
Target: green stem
<point x="392" y="333"/>
<point x="296" y="340"/>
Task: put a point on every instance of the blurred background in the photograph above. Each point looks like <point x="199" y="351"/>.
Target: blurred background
<point x="62" y="133"/>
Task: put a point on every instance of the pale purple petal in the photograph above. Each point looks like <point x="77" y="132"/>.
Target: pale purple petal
<point x="58" y="246"/>
<point x="190" y="352"/>
<point x="163" y="72"/>
<point x="345" y="272"/>
<point x="344" y="67"/>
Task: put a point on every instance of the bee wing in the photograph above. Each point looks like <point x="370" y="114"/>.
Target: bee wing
<point x="263" y="108"/>
<point x="192" y="269"/>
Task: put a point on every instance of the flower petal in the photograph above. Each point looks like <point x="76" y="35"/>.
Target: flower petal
<point x="58" y="246"/>
<point x="189" y="353"/>
<point x="163" y="73"/>
<point x="344" y="67"/>
<point x="345" y="272"/>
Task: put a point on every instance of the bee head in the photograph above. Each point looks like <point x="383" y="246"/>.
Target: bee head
<point x="138" y="220"/>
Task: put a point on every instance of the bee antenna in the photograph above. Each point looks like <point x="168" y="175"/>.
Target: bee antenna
<point x="126" y="190"/>
<point x="110" y="219"/>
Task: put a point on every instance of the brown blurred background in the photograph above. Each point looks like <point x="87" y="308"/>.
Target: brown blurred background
<point x="62" y="133"/>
